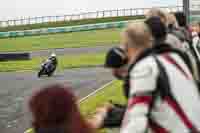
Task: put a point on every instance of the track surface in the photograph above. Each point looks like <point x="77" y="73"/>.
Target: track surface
<point x="72" y="51"/>
<point x="17" y="87"/>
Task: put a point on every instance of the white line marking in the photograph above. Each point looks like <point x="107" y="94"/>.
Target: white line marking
<point x="93" y="93"/>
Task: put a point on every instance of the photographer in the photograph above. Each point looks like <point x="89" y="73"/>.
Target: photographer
<point x="111" y="114"/>
<point x="163" y="95"/>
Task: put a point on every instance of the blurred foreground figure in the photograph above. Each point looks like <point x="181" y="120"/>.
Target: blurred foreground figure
<point x="182" y="23"/>
<point x="54" y="110"/>
<point x="163" y="95"/>
<point x="175" y="36"/>
<point x="178" y="35"/>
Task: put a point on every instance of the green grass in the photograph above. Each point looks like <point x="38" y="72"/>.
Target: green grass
<point x="112" y="92"/>
<point x="77" y="61"/>
<point x="64" y="40"/>
<point x="69" y="23"/>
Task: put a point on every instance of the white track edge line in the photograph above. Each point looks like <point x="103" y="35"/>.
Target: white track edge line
<point x="93" y="93"/>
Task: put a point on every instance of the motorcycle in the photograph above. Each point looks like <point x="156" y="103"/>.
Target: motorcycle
<point x="47" y="68"/>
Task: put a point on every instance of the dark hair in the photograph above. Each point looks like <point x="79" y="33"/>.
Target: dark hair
<point x="181" y="19"/>
<point x="157" y="27"/>
<point x="54" y="106"/>
<point x="115" y="58"/>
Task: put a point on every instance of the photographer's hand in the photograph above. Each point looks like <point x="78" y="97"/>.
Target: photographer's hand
<point x="98" y="119"/>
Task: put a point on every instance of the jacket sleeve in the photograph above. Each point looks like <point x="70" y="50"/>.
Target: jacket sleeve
<point x="143" y="82"/>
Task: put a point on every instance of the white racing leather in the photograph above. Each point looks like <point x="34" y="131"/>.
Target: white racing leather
<point x="144" y="79"/>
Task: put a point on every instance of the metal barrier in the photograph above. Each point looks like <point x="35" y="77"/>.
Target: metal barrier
<point x="81" y="16"/>
<point x="63" y="29"/>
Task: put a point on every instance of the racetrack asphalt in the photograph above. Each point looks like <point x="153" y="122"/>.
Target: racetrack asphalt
<point x="72" y="51"/>
<point x="17" y="87"/>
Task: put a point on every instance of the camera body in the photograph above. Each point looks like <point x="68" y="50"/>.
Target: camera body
<point x="115" y="116"/>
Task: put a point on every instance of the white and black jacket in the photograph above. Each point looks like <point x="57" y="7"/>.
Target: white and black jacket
<point x="162" y="95"/>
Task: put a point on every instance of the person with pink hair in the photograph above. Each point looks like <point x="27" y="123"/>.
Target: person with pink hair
<point x="54" y="110"/>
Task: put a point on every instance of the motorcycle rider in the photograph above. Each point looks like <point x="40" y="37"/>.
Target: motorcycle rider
<point x="51" y="63"/>
<point x="53" y="58"/>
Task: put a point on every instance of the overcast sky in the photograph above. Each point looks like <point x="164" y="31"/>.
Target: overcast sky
<point x="17" y="8"/>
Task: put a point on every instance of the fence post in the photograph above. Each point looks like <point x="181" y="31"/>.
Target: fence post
<point x="110" y="13"/>
<point x="79" y="16"/>
<point x="7" y="23"/>
<point x="42" y="19"/>
<point x="143" y="9"/>
<point x="65" y="16"/>
<point x="124" y="12"/>
<point x="49" y="18"/>
<point x="85" y="15"/>
<point x="177" y="9"/>
<point x="117" y="12"/>
<point x="97" y="14"/>
<point x="36" y="20"/>
<point x="55" y="18"/>
<point x="136" y="12"/>
<point x="10" y="23"/>
<point x="82" y="15"/>
<point x="21" y="21"/>
<point x="2" y="23"/>
<point x="103" y="14"/>
<point x="70" y="17"/>
<point x="14" y="21"/>
<point x="29" y="20"/>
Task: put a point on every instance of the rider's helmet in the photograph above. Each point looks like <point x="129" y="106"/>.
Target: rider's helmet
<point x="53" y="55"/>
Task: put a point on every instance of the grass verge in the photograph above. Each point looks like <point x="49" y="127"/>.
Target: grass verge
<point x="69" y="23"/>
<point x="62" y="40"/>
<point x="112" y="92"/>
<point x="75" y="61"/>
